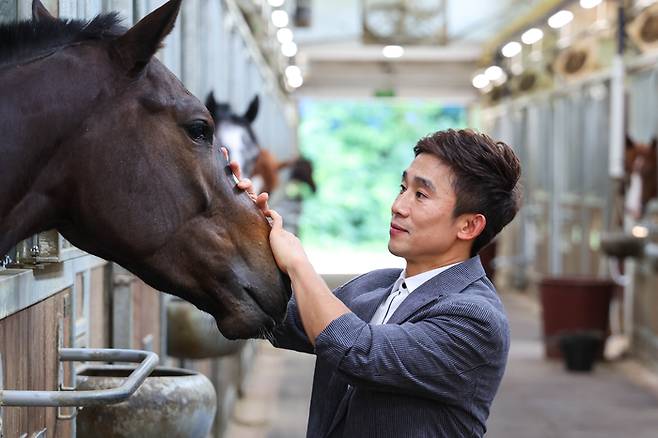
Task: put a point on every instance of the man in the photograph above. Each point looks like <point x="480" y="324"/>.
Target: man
<point x="417" y="353"/>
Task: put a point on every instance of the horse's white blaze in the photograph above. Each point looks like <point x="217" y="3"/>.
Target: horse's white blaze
<point x="634" y="195"/>
<point x="232" y="137"/>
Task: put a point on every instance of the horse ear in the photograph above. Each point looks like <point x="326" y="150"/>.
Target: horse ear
<point x="629" y="142"/>
<point x="40" y="13"/>
<point x="654" y="142"/>
<point x="211" y="104"/>
<point x="135" y="48"/>
<point x="252" y="111"/>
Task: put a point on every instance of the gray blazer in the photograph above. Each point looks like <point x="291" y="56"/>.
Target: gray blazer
<point x="431" y="371"/>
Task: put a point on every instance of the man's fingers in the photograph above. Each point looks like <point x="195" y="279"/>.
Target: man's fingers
<point x="277" y="221"/>
<point x="261" y="201"/>
<point x="235" y="168"/>
<point x="245" y="184"/>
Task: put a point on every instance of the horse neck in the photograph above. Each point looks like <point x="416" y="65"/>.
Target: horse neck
<point x="38" y="112"/>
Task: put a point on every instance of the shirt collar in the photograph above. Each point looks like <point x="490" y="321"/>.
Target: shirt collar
<point x="414" y="282"/>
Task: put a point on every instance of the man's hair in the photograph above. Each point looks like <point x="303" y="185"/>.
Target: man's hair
<point x="485" y="177"/>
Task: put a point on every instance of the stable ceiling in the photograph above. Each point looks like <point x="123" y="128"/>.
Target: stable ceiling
<point x="341" y="51"/>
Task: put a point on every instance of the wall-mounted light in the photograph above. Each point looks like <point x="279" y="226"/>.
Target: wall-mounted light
<point x="560" y="19"/>
<point x="532" y="35"/>
<point x="393" y="51"/>
<point x="280" y="18"/>
<point x="640" y="231"/>
<point x="276" y="3"/>
<point x="589" y="4"/>
<point x="284" y="35"/>
<point x="511" y="49"/>
<point x="289" y="49"/>
<point x="480" y="81"/>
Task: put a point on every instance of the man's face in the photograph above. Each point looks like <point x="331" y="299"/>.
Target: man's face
<point x="423" y="230"/>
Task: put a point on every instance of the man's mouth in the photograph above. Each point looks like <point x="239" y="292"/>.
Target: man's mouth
<point x="397" y="229"/>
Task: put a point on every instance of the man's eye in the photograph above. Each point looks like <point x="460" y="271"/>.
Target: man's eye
<point x="421" y="195"/>
<point x="199" y="131"/>
<point x="402" y="188"/>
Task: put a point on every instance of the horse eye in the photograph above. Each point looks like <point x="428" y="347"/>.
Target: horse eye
<point x="199" y="131"/>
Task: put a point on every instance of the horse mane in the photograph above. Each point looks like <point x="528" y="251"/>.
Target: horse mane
<point x="26" y="39"/>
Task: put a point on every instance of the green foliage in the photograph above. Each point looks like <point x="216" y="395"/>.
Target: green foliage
<point x="359" y="150"/>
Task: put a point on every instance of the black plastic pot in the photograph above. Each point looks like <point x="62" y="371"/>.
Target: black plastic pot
<point x="580" y="349"/>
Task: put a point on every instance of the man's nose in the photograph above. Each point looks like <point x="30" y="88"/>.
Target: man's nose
<point x="399" y="206"/>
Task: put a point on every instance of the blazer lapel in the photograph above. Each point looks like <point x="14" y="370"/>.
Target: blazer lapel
<point x="450" y="281"/>
<point x="365" y="305"/>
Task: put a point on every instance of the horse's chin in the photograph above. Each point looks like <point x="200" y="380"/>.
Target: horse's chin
<point x="254" y="325"/>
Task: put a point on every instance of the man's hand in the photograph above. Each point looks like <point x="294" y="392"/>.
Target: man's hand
<point x="246" y="184"/>
<point x="286" y="247"/>
<point x="317" y="305"/>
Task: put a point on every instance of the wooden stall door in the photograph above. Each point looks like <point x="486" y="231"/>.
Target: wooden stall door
<point x="145" y="317"/>
<point x="29" y="347"/>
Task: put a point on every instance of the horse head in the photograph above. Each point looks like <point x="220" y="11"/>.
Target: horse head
<point x="115" y="153"/>
<point x="641" y="177"/>
<point x="235" y="132"/>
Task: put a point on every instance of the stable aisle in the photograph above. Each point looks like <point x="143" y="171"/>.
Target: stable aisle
<point x="537" y="398"/>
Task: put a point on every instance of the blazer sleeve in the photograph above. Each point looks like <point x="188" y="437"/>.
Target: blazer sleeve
<point x="290" y="334"/>
<point x="433" y="357"/>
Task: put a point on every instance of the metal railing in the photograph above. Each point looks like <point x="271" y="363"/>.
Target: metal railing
<point x="147" y="362"/>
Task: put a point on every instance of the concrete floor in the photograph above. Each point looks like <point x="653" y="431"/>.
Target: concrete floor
<point x="537" y="398"/>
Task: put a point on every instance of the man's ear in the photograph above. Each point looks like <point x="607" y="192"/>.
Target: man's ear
<point x="135" y="48"/>
<point x="471" y="226"/>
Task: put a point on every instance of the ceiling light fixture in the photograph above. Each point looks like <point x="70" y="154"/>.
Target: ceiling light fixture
<point x="284" y="35"/>
<point x="494" y="73"/>
<point x="560" y="19"/>
<point x="511" y="49"/>
<point x="289" y="49"/>
<point x="294" y="76"/>
<point x="280" y="18"/>
<point x="589" y="4"/>
<point x="532" y="35"/>
<point x="393" y="51"/>
<point x="480" y="81"/>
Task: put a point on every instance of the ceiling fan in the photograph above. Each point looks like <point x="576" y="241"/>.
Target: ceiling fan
<point x="404" y="21"/>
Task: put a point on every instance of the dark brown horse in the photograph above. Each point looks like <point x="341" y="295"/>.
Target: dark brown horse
<point x="102" y="142"/>
<point x="641" y="177"/>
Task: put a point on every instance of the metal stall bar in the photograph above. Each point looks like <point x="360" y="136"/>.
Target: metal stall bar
<point x="147" y="362"/>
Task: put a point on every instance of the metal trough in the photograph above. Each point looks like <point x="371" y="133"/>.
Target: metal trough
<point x="172" y="403"/>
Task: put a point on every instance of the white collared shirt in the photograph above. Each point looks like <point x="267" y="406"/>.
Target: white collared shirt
<point x="401" y="289"/>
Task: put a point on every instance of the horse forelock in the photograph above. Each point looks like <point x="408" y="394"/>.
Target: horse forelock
<point x="25" y="39"/>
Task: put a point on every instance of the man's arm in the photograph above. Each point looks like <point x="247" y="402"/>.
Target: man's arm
<point x="317" y="306"/>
